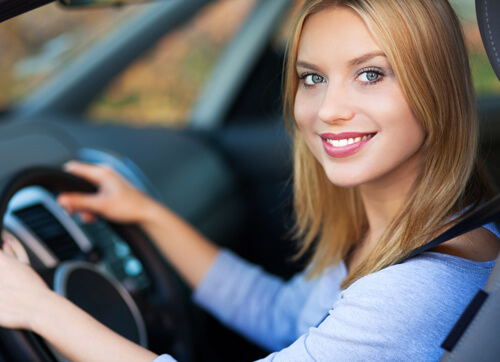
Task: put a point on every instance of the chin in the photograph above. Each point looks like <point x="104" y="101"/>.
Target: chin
<point x="345" y="180"/>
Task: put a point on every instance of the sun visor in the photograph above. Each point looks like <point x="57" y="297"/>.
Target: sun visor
<point x="488" y="13"/>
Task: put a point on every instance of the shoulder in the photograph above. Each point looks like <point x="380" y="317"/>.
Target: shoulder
<point x="478" y="245"/>
<point x="428" y="274"/>
<point x="413" y="305"/>
<point x="458" y="267"/>
<point x="427" y="288"/>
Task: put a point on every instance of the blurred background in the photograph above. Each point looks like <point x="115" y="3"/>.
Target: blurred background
<point x="198" y="115"/>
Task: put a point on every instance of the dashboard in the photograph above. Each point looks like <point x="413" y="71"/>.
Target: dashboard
<point x="43" y="235"/>
<point x="113" y="272"/>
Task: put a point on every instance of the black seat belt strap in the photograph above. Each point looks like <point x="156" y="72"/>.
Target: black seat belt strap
<point x="465" y="319"/>
<point x="486" y="213"/>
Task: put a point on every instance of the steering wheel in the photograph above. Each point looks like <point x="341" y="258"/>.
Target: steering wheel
<point x="159" y="314"/>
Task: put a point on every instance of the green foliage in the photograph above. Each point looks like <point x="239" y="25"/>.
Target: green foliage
<point x="485" y="80"/>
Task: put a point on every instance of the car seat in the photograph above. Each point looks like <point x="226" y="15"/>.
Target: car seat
<point x="476" y="335"/>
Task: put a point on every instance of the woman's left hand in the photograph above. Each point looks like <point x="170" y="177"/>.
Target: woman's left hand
<point x="27" y="303"/>
<point x="21" y="290"/>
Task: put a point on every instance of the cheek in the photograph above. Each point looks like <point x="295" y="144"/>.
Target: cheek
<point x="407" y="129"/>
<point x="396" y="111"/>
<point x="304" y="111"/>
<point x="408" y="123"/>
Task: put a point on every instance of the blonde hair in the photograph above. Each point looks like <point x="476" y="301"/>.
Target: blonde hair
<point x="424" y="44"/>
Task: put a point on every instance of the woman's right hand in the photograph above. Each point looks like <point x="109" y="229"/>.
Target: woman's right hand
<point x="116" y="199"/>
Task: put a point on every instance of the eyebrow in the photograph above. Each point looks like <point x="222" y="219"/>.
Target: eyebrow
<point x="351" y="63"/>
<point x="301" y="64"/>
<point x="365" y="58"/>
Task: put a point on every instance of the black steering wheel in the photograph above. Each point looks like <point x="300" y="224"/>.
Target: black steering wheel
<point x="159" y="315"/>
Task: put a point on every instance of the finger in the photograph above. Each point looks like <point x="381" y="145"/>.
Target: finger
<point x="8" y="249"/>
<point x="90" y="172"/>
<point x="87" y="217"/>
<point x="74" y="201"/>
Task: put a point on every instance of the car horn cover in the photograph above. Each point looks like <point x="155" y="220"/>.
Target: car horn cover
<point x="102" y="297"/>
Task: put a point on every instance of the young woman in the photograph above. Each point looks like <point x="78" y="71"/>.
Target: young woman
<point x="382" y="111"/>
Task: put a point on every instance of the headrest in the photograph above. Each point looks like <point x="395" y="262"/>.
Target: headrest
<point x="488" y="15"/>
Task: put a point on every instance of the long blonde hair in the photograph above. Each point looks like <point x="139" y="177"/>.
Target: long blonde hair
<point x="424" y="44"/>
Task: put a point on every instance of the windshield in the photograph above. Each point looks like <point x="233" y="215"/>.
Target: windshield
<point x="36" y="44"/>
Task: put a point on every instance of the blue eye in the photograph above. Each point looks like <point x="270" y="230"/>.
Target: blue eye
<point x="369" y="76"/>
<point x="312" y="79"/>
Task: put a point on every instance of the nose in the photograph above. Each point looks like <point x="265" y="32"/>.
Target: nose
<point x="337" y="105"/>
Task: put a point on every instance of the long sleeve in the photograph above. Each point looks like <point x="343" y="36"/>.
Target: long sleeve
<point x="402" y="313"/>
<point x="258" y="305"/>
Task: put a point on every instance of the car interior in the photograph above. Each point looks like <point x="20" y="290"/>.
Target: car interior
<point x="227" y="173"/>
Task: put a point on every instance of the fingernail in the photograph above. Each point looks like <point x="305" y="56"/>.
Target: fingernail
<point x="7" y="243"/>
<point x="62" y="200"/>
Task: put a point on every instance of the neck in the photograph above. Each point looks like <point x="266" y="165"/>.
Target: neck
<point x="381" y="204"/>
<point x="381" y="208"/>
<point x="384" y="198"/>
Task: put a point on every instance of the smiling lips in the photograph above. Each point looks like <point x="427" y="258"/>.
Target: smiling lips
<point x="345" y="144"/>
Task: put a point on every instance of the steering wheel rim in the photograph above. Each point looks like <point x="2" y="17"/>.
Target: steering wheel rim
<point x="162" y="311"/>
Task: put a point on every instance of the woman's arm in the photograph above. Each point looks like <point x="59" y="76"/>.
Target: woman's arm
<point x="187" y="250"/>
<point x="258" y="305"/>
<point x="79" y="337"/>
<point x="27" y="303"/>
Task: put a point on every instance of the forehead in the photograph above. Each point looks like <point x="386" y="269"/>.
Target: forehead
<point x="333" y="34"/>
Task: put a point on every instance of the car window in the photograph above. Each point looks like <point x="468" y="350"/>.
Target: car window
<point x="485" y="80"/>
<point x="38" y="43"/>
<point x="161" y="87"/>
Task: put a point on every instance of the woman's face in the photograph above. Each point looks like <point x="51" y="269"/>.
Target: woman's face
<point x="349" y="105"/>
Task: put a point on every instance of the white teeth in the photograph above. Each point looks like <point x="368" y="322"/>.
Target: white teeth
<point x="348" y="141"/>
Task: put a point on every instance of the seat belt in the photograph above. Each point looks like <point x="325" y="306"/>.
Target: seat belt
<point x="484" y="214"/>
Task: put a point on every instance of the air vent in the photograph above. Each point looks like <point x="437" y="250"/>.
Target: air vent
<point x="44" y="225"/>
